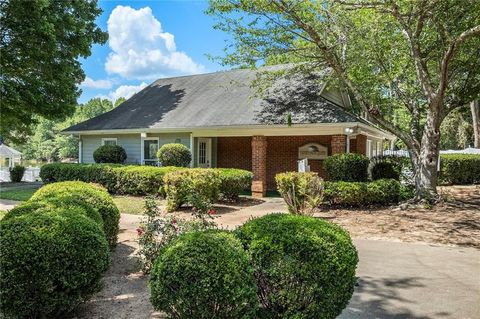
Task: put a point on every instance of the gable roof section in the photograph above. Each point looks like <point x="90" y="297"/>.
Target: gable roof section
<point x="209" y="100"/>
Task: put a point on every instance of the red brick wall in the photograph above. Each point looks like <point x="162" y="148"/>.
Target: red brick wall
<point x="234" y="152"/>
<point x="361" y="144"/>
<point x="282" y="155"/>
<point x="339" y="144"/>
<point x="259" y="166"/>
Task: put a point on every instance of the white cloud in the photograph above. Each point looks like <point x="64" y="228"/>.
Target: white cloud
<point x="141" y="49"/>
<point x="125" y="91"/>
<point x="96" y="84"/>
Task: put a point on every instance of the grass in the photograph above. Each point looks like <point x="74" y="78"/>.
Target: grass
<point x="2" y="213"/>
<point x="17" y="194"/>
<point x="129" y="204"/>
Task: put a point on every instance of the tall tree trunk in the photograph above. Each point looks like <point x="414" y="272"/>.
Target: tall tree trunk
<point x="425" y="159"/>
<point x="475" y="108"/>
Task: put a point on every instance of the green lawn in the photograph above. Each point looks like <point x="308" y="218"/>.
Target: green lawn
<point x="129" y="204"/>
<point x="17" y="194"/>
<point x="2" y="213"/>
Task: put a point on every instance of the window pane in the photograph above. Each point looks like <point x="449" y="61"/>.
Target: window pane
<point x="150" y="149"/>
<point x="109" y="142"/>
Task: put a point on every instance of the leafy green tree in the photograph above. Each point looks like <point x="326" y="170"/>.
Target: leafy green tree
<point x="416" y="61"/>
<point x="457" y="130"/>
<point x="40" y="43"/>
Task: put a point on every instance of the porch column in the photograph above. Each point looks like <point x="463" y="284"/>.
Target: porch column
<point x="259" y="166"/>
<point x="339" y="144"/>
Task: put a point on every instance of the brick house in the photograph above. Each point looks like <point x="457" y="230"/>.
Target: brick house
<point x="225" y="122"/>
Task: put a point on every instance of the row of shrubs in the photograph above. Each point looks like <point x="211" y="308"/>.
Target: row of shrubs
<point x="460" y="169"/>
<point x="54" y="249"/>
<point x="144" y="180"/>
<point x="276" y="266"/>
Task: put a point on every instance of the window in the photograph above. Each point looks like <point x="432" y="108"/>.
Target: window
<point x="379" y="148"/>
<point x="150" y="148"/>
<point x="369" y="148"/>
<point x="109" y="141"/>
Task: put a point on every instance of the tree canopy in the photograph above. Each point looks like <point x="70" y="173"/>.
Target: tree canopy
<point x="407" y="64"/>
<point x="40" y="43"/>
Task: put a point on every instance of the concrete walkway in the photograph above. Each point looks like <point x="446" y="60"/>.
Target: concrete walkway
<point x="7" y="204"/>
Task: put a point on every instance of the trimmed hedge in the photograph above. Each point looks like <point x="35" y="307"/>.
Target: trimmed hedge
<point x="110" y="154"/>
<point x="305" y="267"/>
<point x="90" y="194"/>
<point x="233" y="182"/>
<point x="460" y="168"/>
<point x="16" y="173"/>
<point x="174" y="154"/>
<point x="379" y="192"/>
<point x="204" y="275"/>
<point x="52" y="260"/>
<point x="204" y="183"/>
<point x="348" y="167"/>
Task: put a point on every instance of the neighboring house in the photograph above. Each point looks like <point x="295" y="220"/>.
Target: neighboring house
<point x="226" y="123"/>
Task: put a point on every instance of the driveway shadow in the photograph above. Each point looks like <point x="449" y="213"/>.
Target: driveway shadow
<point x="381" y="298"/>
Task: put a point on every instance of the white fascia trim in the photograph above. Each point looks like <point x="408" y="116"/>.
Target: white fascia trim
<point x="250" y="130"/>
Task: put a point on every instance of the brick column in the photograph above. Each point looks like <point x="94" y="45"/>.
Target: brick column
<point x="339" y="144"/>
<point x="361" y="144"/>
<point x="259" y="166"/>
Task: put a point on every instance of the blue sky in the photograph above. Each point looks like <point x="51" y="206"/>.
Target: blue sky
<point x="149" y="40"/>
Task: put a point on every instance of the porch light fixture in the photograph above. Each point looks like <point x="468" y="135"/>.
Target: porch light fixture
<point x="348" y="130"/>
<point x="143" y="135"/>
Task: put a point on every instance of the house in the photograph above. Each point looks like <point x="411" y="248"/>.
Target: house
<point x="225" y="122"/>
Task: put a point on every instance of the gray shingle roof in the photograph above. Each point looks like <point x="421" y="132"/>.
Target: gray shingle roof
<point x="217" y="99"/>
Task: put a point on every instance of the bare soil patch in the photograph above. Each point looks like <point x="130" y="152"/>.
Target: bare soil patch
<point x="456" y="221"/>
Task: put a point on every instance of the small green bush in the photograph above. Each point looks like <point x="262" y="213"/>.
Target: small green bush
<point x="110" y="154"/>
<point x="305" y="267"/>
<point x="233" y="182"/>
<point x="16" y="173"/>
<point x="348" y="167"/>
<point x="174" y="154"/>
<point x="201" y="183"/>
<point x="379" y="192"/>
<point x="302" y="192"/>
<point x="51" y="262"/>
<point x="204" y="275"/>
<point x="460" y="169"/>
<point x="91" y="194"/>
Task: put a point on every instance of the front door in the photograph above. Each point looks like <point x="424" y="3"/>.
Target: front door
<point x="204" y="152"/>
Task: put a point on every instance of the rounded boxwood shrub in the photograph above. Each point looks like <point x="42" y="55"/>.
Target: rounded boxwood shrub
<point x="204" y="275"/>
<point x="348" y="167"/>
<point x="305" y="267"/>
<point x="16" y="173"/>
<point x="174" y="154"/>
<point x="91" y="194"/>
<point x="109" y="154"/>
<point x="51" y="261"/>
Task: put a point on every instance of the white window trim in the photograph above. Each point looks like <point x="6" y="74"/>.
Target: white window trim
<point x="109" y="139"/>
<point x="369" y="148"/>
<point x="143" y="148"/>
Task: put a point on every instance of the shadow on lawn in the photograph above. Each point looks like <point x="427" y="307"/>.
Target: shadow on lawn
<point x="380" y="298"/>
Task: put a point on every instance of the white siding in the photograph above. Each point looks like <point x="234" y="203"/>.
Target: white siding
<point x="334" y="96"/>
<point x="130" y="142"/>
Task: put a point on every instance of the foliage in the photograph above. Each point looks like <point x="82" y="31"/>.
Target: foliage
<point x="93" y="195"/>
<point x="174" y="154"/>
<point x="302" y="192"/>
<point x="234" y="181"/>
<point x="379" y="192"/>
<point x="198" y="187"/>
<point x="41" y="44"/>
<point x="386" y="167"/>
<point x="48" y="144"/>
<point x="51" y="261"/>
<point x="407" y="64"/>
<point x="460" y="168"/>
<point x="16" y="173"/>
<point x="118" y="179"/>
<point x="304" y="267"/>
<point x="110" y="154"/>
<point x="348" y="167"/>
<point x="457" y="130"/>
<point x="156" y="231"/>
<point x="204" y="275"/>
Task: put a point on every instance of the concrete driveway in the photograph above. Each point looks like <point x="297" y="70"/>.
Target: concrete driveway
<point x="401" y="280"/>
